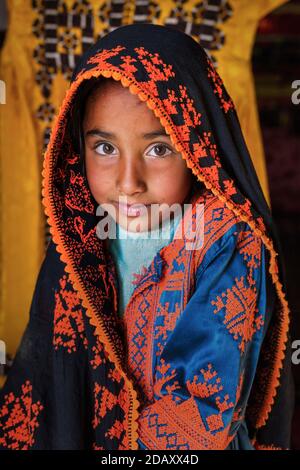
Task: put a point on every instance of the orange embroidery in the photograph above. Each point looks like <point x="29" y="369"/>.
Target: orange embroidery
<point x="168" y="319"/>
<point x="125" y="403"/>
<point x="98" y="358"/>
<point x="172" y="422"/>
<point x="68" y="318"/>
<point x="266" y="447"/>
<point x="77" y="195"/>
<point x="225" y="100"/>
<point x="250" y="247"/>
<point x="166" y="376"/>
<point x="115" y="375"/>
<point x="156" y="68"/>
<point x="19" y="419"/>
<point x="127" y="64"/>
<point x="112" y="408"/>
<point x="191" y="118"/>
<point x="229" y="187"/>
<point x="100" y="59"/>
<point x="95" y="447"/>
<point x="104" y="402"/>
<point x="169" y="103"/>
<point x="190" y="115"/>
<point x="210" y="386"/>
<point x="211" y="149"/>
<point x="238" y="305"/>
<point x="116" y="430"/>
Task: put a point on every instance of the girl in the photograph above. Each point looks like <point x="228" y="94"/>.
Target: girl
<point x="175" y="342"/>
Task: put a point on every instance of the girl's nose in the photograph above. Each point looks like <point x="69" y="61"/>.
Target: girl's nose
<point x="131" y="179"/>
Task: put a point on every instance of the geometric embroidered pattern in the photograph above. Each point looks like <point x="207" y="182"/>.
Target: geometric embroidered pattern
<point x="238" y="307"/>
<point x="177" y="423"/>
<point x="68" y="319"/>
<point x="104" y="402"/>
<point x="19" y="419"/>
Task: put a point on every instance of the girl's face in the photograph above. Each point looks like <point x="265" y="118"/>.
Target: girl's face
<point x="129" y="158"/>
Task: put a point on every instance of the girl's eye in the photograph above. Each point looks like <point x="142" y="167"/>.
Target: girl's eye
<point x="160" y="150"/>
<point x="107" y="148"/>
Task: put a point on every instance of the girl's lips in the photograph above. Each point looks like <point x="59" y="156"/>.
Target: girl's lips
<point x="131" y="210"/>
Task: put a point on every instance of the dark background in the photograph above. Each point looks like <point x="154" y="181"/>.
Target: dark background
<point x="276" y="64"/>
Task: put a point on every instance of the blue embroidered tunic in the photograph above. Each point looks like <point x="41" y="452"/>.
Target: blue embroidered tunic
<point x="133" y="253"/>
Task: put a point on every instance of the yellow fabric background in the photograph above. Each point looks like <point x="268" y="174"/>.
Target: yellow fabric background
<point x="21" y="133"/>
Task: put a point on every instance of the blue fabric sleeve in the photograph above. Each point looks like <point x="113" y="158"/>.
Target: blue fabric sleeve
<point x="204" y="375"/>
<point x="141" y="445"/>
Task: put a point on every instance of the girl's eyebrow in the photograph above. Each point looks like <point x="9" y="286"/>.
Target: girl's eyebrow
<point x="110" y="135"/>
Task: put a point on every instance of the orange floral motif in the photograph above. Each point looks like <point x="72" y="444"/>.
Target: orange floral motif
<point x="210" y="386"/>
<point x="212" y="148"/>
<point x="169" y="319"/>
<point x="100" y="59"/>
<point x="115" y="375"/>
<point x="266" y="447"/>
<point x="229" y="187"/>
<point x="212" y="174"/>
<point x="250" y="247"/>
<point x="86" y="238"/>
<point x="127" y="64"/>
<point x="125" y="404"/>
<point x="215" y="422"/>
<point x="238" y="305"/>
<point x="77" y="194"/>
<point x="169" y="102"/>
<point x="191" y="117"/>
<point x="96" y="447"/>
<point x="19" y="419"/>
<point x="71" y="159"/>
<point x="225" y="100"/>
<point x="173" y="422"/>
<point x="116" y="430"/>
<point x="156" y="68"/>
<point x="199" y="150"/>
<point x="104" y="402"/>
<point x="68" y="318"/>
<point x="98" y="358"/>
<point x="166" y="376"/>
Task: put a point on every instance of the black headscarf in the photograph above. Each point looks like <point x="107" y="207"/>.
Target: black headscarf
<point x="174" y="76"/>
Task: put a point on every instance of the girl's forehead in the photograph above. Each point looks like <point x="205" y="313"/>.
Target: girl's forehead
<point x="113" y="94"/>
<point x="109" y="86"/>
<point x="113" y="101"/>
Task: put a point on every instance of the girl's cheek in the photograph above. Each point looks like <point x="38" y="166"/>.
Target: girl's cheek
<point x="99" y="186"/>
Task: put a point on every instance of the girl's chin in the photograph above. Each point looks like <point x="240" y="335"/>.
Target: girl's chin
<point x="137" y="223"/>
<point x="134" y="224"/>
